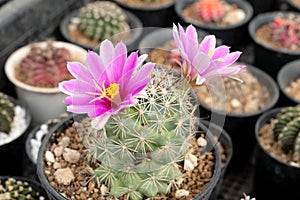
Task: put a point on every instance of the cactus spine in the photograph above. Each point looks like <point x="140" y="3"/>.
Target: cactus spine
<point x="102" y="20"/>
<point x="44" y="66"/>
<point x="139" y="150"/>
<point x="7" y="113"/>
<point x="286" y="31"/>
<point x="210" y="10"/>
<point x="287" y="129"/>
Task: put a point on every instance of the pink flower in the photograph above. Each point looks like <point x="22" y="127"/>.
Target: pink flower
<point x="109" y="83"/>
<point x="202" y="62"/>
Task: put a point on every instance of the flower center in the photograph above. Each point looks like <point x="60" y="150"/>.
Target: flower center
<point x="109" y="93"/>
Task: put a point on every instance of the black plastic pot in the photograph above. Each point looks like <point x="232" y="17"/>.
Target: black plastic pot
<point x="293" y="6"/>
<point x="233" y="35"/>
<point x="240" y="127"/>
<point x="131" y="43"/>
<point x="288" y="73"/>
<point x="12" y="153"/>
<point x="266" y="57"/>
<point x="35" y="185"/>
<point x="226" y="142"/>
<point x="261" y="6"/>
<point x="67" y="122"/>
<point x="273" y="178"/>
<point x="153" y="16"/>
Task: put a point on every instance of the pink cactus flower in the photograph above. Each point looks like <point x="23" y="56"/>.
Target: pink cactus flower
<point x="203" y="62"/>
<point x="109" y="83"/>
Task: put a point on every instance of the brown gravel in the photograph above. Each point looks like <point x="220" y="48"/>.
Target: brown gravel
<point x="143" y="3"/>
<point x="263" y="35"/>
<point x="270" y="145"/>
<point x="191" y="12"/>
<point x="294" y="88"/>
<point x="81" y="188"/>
<point x="246" y="97"/>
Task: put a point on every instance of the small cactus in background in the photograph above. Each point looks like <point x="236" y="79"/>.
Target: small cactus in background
<point x="287" y="129"/>
<point x="102" y="20"/>
<point x="210" y="10"/>
<point x="44" y="66"/>
<point x="286" y="31"/>
<point x="7" y="113"/>
<point x="18" y="190"/>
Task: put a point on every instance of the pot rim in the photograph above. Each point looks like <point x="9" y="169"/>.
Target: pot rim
<point x="45" y="183"/>
<point x="150" y="8"/>
<point x="256" y="22"/>
<point x="14" y="59"/>
<point x="244" y="5"/>
<point x="288" y="66"/>
<point x="131" y="17"/>
<point x="256" y="72"/>
<point x="269" y="115"/>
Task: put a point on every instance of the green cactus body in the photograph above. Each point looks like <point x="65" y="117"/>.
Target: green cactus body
<point x="7" y="113"/>
<point x="139" y="149"/>
<point x="17" y="190"/>
<point x="287" y="129"/>
<point x="102" y="20"/>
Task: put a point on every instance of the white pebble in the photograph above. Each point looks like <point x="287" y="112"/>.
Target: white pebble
<point x="188" y="165"/>
<point x="103" y="189"/>
<point x="71" y="156"/>
<point x="64" y="176"/>
<point x="65" y="141"/>
<point x="181" y="193"/>
<point x="202" y="142"/>
<point x="39" y="135"/>
<point x="44" y="127"/>
<point x="49" y="156"/>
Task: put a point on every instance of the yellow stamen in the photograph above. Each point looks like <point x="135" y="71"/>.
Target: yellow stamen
<point x="211" y="52"/>
<point x="109" y="93"/>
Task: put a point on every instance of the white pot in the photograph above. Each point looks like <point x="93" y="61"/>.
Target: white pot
<point x="43" y="103"/>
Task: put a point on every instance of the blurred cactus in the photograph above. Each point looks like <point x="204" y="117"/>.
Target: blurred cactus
<point x="17" y="190"/>
<point x="286" y="31"/>
<point x="287" y="129"/>
<point x="101" y="20"/>
<point x="44" y="66"/>
<point x="210" y="10"/>
<point x="7" y="113"/>
<point x="139" y="150"/>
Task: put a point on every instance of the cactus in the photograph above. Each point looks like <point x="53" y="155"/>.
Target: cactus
<point x="7" y="113"/>
<point x="139" y="150"/>
<point x="102" y="20"/>
<point x="44" y="66"/>
<point x="210" y="10"/>
<point x="287" y="129"/>
<point x="286" y="31"/>
<point x="18" y="190"/>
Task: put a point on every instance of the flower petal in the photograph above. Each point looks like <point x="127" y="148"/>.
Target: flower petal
<point x="96" y="66"/>
<point x="208" y="44"/>
<point x="99" y="122"/>
<point x="229" y="59"/>
<point x="221" y="52"/>
<point x="119" y="61"/>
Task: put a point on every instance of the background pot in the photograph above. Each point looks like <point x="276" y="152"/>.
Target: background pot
<point x="35" y="185"/>
<point x="43" y="103"/>
<point x="67" y="122"/>
<point x="233" y="35"/>
<point x="288" y="73"/>
<point x="131" y="43"/>
<point x="261" y="6"/>
<point x="225" y="140"/>
<point x="273" y="178"/>
<point x="240" y="127"/>
<point x="12" y="153"/>
<point x="153" y="16"/>
<point x="266" y="57"/>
